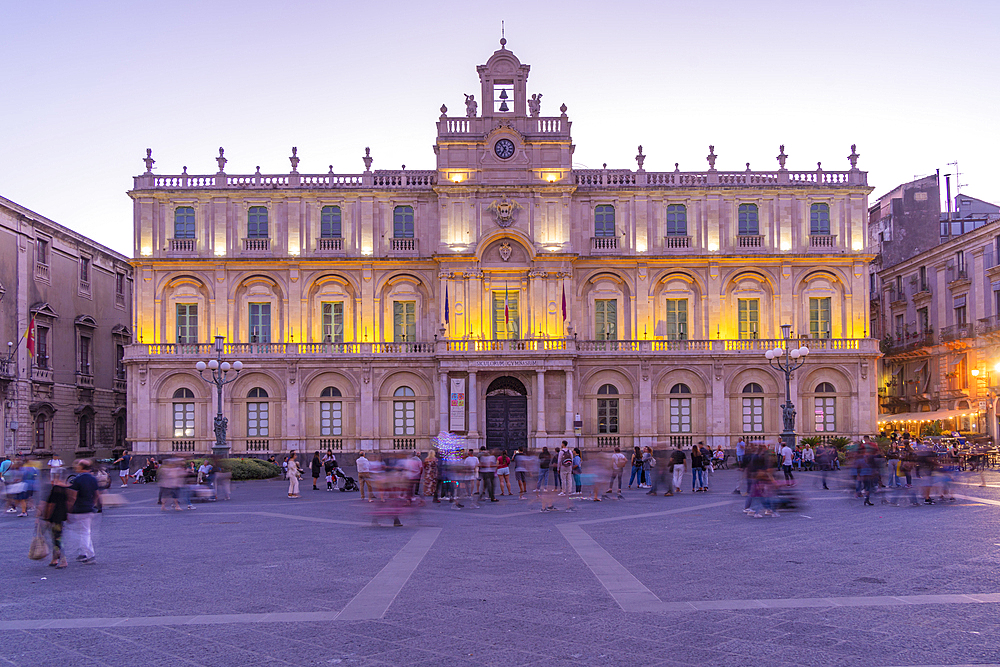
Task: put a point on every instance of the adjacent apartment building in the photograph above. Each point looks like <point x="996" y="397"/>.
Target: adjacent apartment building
<point x="69" y="397"/>
<point x="504" y="295"/>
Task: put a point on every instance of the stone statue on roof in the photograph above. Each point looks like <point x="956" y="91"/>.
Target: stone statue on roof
<point x="471" y="106"/>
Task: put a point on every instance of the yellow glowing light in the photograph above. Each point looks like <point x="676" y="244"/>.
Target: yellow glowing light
<point x="551" y="178"/>
<point x="293" y="250"/>
<point x="997" y="367"/>
<point x="220" y="251"/>
<point x="640" y="245"/>
<point x="858" y="246"/>
<point x="146" y="251"/>
<point x="785" y="246"/>
<point x="457" y="177"/>
<point x="713" y="246"/>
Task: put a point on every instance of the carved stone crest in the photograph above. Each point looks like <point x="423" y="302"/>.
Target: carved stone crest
<point x="505" y="251"/>
<point x="505" y="211"/>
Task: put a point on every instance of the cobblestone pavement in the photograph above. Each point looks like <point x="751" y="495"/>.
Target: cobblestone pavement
<point x="686" y="580"/>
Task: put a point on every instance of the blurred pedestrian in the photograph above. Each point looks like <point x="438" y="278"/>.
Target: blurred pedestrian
<point x="677" y="459"/>
<point x="55" y="512"/>
<point x="786" y="456"/>
<point x="503" y="472"/>
<point x="488" y="467"/>
<point x="697" y="470"/>
<point x="364" y="476"/>
<point x="520" y="464"/>
<point x="566" y="469"/>
<point x="636" y="467"/>
<point x="82" y="498"/>
<point x="544" y="463"/>
<point x="316" y="467"/>
<point x="577" y="471"/>
<point x="429" y="475"/>
<point x="617" y="469"/>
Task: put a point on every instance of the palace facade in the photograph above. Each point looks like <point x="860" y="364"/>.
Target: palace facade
<point x="505" y="295"/>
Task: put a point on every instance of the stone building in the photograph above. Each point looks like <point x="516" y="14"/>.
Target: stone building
<point x="69" y="398"/>
<point x="504" y="294"/>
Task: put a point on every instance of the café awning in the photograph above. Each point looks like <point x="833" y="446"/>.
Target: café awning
<point x="924" y="416"/>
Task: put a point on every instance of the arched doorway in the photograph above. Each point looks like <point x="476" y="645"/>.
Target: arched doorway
<point x="506" y="414"/>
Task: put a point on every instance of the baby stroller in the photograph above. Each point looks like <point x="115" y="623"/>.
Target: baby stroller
<point x="344" y="482"/>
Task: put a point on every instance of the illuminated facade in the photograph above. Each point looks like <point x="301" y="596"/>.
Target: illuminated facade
<point x="500" y="295"/>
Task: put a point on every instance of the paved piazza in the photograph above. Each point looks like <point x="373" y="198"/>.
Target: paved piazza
<point x="687" y="580"/>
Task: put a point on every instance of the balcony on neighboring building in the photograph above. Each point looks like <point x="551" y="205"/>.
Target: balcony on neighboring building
<point x="7" y="367"/>
<point x="956" y="332"/>
<point x="42" y="271"/>
<point x="85" y="379"/>
<point x="822" y="241"/>
<point x="908" y="341"/>
<point x="747" y="241"/>
<point x="957" y="277"/>
<point x="988" y="325"/>
<point x="41" y="375"/>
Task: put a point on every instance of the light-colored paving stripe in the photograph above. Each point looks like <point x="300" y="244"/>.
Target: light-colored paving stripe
<point x="677" y="510"/>
<point x="974" y="499"/>
<point x="627" y="591"/>
<point x="146" y="621"/>
<point x="374" y="599"/>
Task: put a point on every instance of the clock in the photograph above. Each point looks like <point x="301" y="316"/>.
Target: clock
<point x="504" y="149"/>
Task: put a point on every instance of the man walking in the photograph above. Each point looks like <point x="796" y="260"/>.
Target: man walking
<point x="785" y="453"/>
<point x="618" y="462"/>
<point x="566" y="469"/>
<point x="488" y="474"/>
<point x="82" y="497"/>
<point x="677" y="459"/>
<point x="365" y="476"/>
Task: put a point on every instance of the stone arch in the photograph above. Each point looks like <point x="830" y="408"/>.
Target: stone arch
<point x="749" y="285"/>
<point x="181" y="288"/>
<point x="318" y="380"/>
<point x="812" y="401"/>
<point x="821" y="283"/>
<point x="407" y="287"/>
<point x="332" y="288"/>
<point x="699" y="396"/>
<point x="523" y="249"/>
<point x="258" y="288"/>
<point x="604" y="285"/>
<point x="679" y="285"/>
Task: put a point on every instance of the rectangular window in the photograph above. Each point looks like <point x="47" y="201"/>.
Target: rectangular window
<point x="183" y="420"/>
<point x="260" y="322"/>
<point x="85" y="355"/>
<point x="606" y="318"/>
<point x="753" y="415"/>
<point x="120" y="361"/>
<point x="677" y="319"/>
<point x="819" y="317"/>
<point x="404" y="418"/>
<point x="923" y="320"/>
<point x="960" y="261"/>
<point x="872" y="283"/>
<point x="333" y="321"/>
<point x="826" y="414"/>
<point x="187" y="323"/>
<point x="257" y="222"/>
<point x="749" y="317"/>
<point x="40" y="432"/>
<point x="899" y="287"/>
<point x="85" y="269"/>
<point x="960" y="315"/>
<point x="120" y="284"/>
<point x="819" y="219"/>
<point x="257" y="420"/>
<point x="607" y="415"/>
<point x="680" y="415"/>
<point x="922" y="278"/>
<point x="677" y="220"/>
<point x="331" y="418"/>
<point x="42" y="251"/>
<point x="900" y="330"/>
<point x="506" y="318"/>
<point x="41" y="347"/>
<point x="184" y="222"/>
<point x="402" y="222"/>
<point x="748" y="222"/>
<point x="604" y="221"/>
<point x="404" y="321"/>
<point x="330" y="222"/>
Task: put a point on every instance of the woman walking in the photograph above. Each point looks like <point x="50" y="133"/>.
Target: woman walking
<point x="429" y="476"/>
<point x="577" y="471"/>
<point x="317" y="466"/>
<point x="697" y="470"/>
<point x="636" y="467"/>
<point x="293" y="475"/>
<point x="647" y="468"/>
<point x="55" y="512"/>
<point x="544" y="461"/>
<point x="503" y="472"/>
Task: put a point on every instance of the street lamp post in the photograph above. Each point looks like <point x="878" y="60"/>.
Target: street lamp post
<point x="219" y="370"/>
<point x="787" y="361"/>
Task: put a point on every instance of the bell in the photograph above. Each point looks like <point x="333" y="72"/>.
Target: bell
<point x="504" y="107"/>
<point x="503" y="94"/>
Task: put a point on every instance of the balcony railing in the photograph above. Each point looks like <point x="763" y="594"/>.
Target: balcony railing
<point x="675" y="242"/>
<point x="84" y="380"/>
<point x="404" y="443"/>
<point x="987" y="325"/>
<point x="604" y="244"/>
<point x="956" y="332"/>
<point x="403" y="245"/>
<point x="378" y="179"/>
<point x="335" y="444"/>
<point x="41" y="374"/>
<point x="954" y="275"/>
<point x="258" y="445"/>
<point x="330" y="244"/>
<point x="183" y="245"/>
<point x="6" y="369"/>
<point x="822" y="241"/>
<point x="41" y="271"/>
<point x="182" y="445"/>
<point x="750" y="241"/>
<point x="488" y="351"/>
<point x="120" y="386"/>
<point x="257" y="245"/>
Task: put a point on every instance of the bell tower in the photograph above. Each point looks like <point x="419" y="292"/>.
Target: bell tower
<point x="504" y="80"/>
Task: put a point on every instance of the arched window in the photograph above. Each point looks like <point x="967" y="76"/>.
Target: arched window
<point x="257" y="222"/>
<point x="677" y="224"/>
<point x="331" y="413"/>
<point x="825" y="408"/>
<point x="604" y="221"/>
<point x="258" y="414"/>
<point x="680" y="409"/>
<point x="330" y="222"/>
<point x="748" y="222"/>
<point x="183" y="413"/>
<point x="404" y="413"/>
<point x="819" y="219"/>
<point x="184" y="222"/>
<point x="753" y="409"/>
<point x="607" y="409"/>
<point x="402" y="222"/>
<point x="86" y="431"/>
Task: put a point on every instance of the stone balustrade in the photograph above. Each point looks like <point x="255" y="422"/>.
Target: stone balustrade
<point x="822" y="241"/>
<point x="604" y="244"/>
<point x="462" y="127"/>
<point x="386" y="179"/>
<point x="618" y="178"/>
<point x="676" y="242"/>
<point x="750" y="241"/>
<point x="335" y="244"/>
<point x="183" y="245"/>
<point x="489" y="349"/>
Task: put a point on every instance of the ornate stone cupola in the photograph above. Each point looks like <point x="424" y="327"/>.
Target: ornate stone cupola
<point x="504" y="80"/>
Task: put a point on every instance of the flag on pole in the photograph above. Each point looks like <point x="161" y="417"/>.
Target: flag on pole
<point x="506" y="311"/>
<point x="31" y="337"/>
<point x="564" y="301"/>
<point x="446" y="321"/>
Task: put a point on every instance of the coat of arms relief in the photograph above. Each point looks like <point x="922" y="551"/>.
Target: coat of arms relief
<point x="505" y="211"/>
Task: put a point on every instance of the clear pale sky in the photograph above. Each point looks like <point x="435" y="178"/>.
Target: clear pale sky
<point x="88" y="86"/>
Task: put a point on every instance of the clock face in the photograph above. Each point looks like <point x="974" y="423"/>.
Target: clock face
<point x="504" y="149"/>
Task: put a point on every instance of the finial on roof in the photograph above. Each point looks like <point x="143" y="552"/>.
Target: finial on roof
<point x="503" y="38"/>
<point x="640" y="158"/>
<point x="781" y="156"/>
<point x="294" y="159"/>
<point x="853" y="157"/>
<point x="444" y="111"/>
<point x="711" y="158"/>
<point x="149" y="160"/>
<point x="367" y="159"/>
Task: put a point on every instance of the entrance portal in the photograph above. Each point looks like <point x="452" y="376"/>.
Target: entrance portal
<point x="506" y="415"/>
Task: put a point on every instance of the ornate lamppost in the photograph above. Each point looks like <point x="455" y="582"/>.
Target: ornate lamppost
<point x="788" y="361"/>
<point x="218" y="376"/>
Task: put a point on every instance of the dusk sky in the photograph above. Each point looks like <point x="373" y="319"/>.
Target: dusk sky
<point x="90" y="85"/>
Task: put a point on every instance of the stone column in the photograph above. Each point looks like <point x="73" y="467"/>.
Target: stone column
<point x="570" y="393"/>
<point x="443" y="394"/>
<point x="472" y="400"/>
<point x="540" y="404"/>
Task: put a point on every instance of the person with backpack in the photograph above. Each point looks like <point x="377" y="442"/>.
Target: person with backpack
<point x="618" y="462"/>
<point x="565" y="459"/>
<point x="636" y="467"/>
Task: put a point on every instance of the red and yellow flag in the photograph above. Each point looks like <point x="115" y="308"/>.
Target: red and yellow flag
<point x="31" y="337"/>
